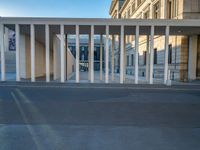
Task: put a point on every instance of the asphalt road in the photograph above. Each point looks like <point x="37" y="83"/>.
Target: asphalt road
<point x="102" y="118"/>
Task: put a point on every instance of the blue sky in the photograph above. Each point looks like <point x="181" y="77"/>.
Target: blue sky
<point x="55" y="8"/>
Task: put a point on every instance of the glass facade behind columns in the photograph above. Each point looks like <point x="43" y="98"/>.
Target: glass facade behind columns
<point x="83" y="57"/>
<point x="84" y="54"/>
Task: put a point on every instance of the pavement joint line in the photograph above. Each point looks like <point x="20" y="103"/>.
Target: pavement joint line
<point x="98" y="87"/>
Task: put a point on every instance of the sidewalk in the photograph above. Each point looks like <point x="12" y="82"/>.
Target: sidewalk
<point x="129" y="79"/>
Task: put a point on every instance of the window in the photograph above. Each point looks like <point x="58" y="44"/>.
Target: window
<point x="133" y="7"/>
<point x="82" y="57"/>
<point x="95" y="48"/>
<point x="12" y="45"/>
<point x="146" y="14"/>
<point x="172" y="9"/>
<point x="127" y="60"/>
<point x="132" y="60"/>
<point x="156" y="11"/>
<point x="145" y="57"/>
<point x="155" y="56"/>
<point x="71" y="48"/>
<point x="82" y="49"/>
<point x="170" y="54"/>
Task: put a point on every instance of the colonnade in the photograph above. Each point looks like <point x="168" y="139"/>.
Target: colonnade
<point x="91" y="56"/>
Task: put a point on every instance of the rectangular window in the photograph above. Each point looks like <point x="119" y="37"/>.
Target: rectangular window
<point x="133" y="7"/>
<point x="155" y="56"/>
<point x="145" y="57"/>
<point x="132" y="60"/>
<point x="12" y="41"/>
<point x="156" y="11"/>
<point x="170" y="54"/>
<point x="82" y="48"/>
<point x="170" y="9"/>
<point x="127" y="60"/>
<point x="146" y="15"/>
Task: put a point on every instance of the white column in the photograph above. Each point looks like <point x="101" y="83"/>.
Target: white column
<point x="122" y="56"/>
<point x="192" y="61"/>
<point x="62" y="47"/>
<point x="17" y="34"/>
<point x="147" y="59"/>
<point x="125" y="57"/>
<point x="32" y="53"/>
<point x="47" y="53"/>
<point x="3" y="72"/>
<point x="89" y="57"/>
<point x="66" y="58"/>
<point x="54" y="58"/>
<point x="166" y="53"/>
<point x="151" y="55"/>
<point x="101" y="56"/>
<point x="77" y="54"/>
<point x="92" y="55"/>
<point x="136" y="53"/>
<point x="107" y="55"/>
<point x="113" y="57"/>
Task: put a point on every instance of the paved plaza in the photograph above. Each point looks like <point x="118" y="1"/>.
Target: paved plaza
<point x="99" y="117"/>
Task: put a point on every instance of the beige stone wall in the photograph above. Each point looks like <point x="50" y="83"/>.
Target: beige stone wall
<point x="70" y="64"/>
<point x="114" y="10"/>
<point x="56" y="58"/>
<point x="39" y="58"/>
<point x="22" y="57"/>
<point x="70" y="60"/>
<point x="185" y="9"/>
<point x="191" y="9"/>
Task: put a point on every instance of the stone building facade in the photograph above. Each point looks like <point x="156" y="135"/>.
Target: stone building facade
<point x="178" y="45"/>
